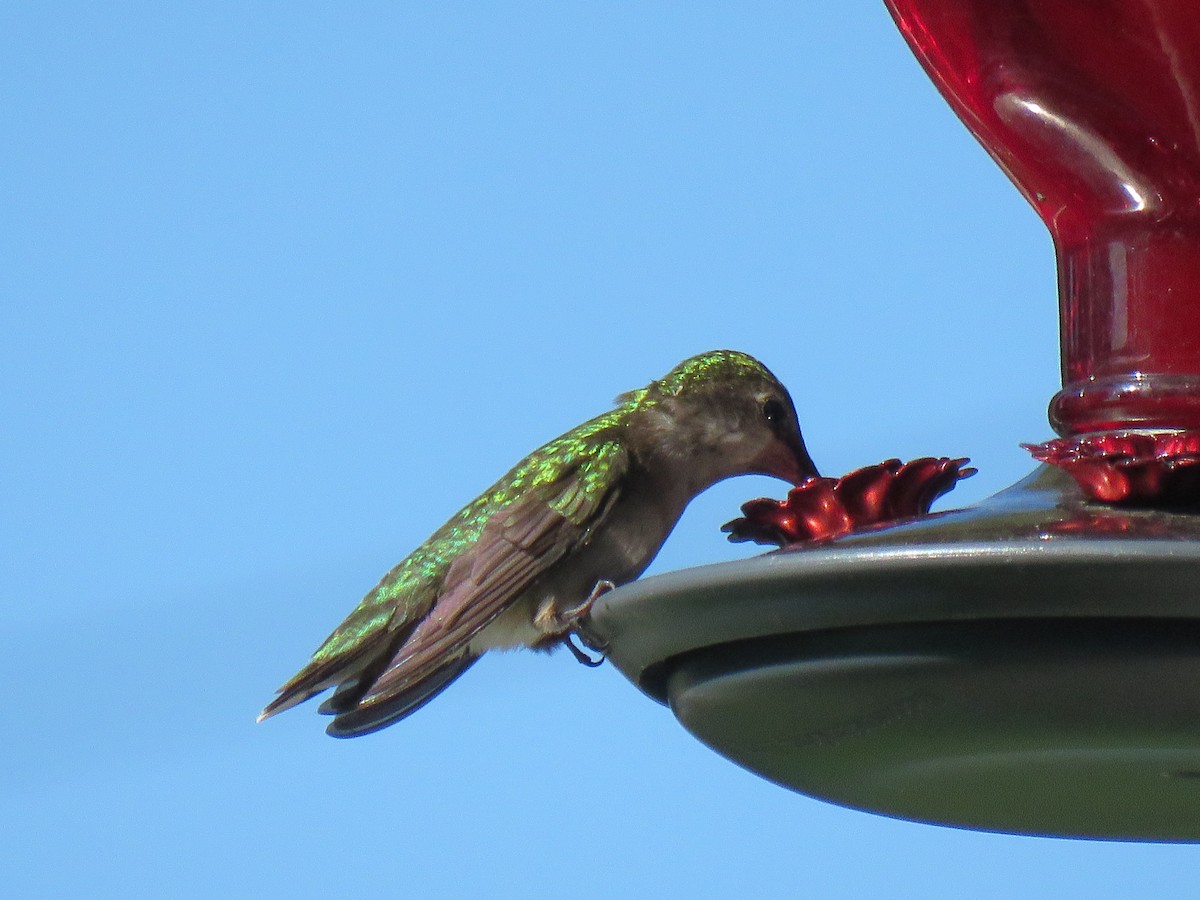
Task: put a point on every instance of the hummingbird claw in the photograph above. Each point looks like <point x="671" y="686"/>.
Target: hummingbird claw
<point x="589" y="639"/>
<point x="579" y="655"/>
<point x="579" y="627"/>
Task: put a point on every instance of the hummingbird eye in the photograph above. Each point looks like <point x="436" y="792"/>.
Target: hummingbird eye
<point x="774" y="412"/>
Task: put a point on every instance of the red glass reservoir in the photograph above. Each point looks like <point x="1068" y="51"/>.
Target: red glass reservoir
<point x="1092" y="107"/>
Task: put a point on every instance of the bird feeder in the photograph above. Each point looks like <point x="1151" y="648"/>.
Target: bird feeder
<point x="1030" y="664"/>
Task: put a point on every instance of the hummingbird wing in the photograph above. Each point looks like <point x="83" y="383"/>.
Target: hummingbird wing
<point x="516" y="546"/>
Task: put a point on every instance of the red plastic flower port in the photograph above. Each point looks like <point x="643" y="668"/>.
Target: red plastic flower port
<point x="1131" y="468"/>
<point x="822" y="508"/>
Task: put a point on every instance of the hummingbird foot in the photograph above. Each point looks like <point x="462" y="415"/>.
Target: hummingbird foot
<point x="572" y="622"/>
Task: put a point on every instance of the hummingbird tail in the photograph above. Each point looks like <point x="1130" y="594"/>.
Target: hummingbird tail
<point x="292" y="696"/>
<point x="356" y="721"/>
<point x="317" y="677"/>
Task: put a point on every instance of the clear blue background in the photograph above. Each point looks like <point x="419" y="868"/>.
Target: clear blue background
<point x="284" y="284"/>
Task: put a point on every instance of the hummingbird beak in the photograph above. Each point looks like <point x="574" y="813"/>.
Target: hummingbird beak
<point x="804" y="464"/>
<point x="787" y="458"/>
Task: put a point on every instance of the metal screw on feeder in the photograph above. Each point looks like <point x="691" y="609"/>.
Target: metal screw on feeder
<point x="1026" y="664"/>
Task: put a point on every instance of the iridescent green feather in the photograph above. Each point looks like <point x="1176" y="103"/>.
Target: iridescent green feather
<point x="572" y="472"/>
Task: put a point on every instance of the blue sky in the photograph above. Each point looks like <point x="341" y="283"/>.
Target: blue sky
<point x="286" y="284"/>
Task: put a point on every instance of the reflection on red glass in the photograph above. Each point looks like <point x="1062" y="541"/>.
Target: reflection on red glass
<point x="1092" y="107"/>
<point x="1137" y="469"/>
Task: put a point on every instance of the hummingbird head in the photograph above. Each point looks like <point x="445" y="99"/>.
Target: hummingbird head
<point x="723" y="413"/>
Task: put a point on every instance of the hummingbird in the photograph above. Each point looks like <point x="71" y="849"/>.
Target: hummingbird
<point x="523" y="563"/>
